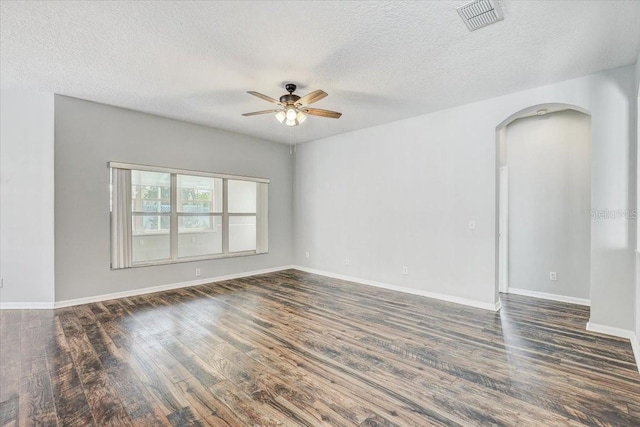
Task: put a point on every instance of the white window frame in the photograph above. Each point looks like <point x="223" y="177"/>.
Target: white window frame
<point x="158" y="213"/>
<point x="261" y="215"/>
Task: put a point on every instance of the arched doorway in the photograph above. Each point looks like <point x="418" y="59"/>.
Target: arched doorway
<point x="543" y="232"/>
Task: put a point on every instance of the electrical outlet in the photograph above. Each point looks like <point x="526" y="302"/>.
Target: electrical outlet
<point x="347" y="262"/>
<point x="553" y="276"/>
<point x="306" y="254"/>
<point x="198" y="272"/>
<point x="405" y="270"/>
<point x="472" y="225"/>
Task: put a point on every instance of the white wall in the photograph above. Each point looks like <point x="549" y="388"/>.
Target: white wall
<point x="26" y="197"/>
<point x="403" y="194"/>
<point x="637" y="68"/>
<point x="88" y="135"/>
<point x="549" y="160"/>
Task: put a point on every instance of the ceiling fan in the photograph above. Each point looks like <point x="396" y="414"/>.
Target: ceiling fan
<point x="294" y="108"/>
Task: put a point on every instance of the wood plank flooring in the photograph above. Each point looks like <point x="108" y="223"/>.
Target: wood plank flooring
<point x="296" y="349"/>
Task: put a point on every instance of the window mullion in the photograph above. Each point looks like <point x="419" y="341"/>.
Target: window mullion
<point x="173" y="200"/>
<point x="225" y="216"/>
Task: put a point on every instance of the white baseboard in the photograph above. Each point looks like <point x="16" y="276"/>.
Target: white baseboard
<point x="608" y="330"/>
<point x="620" y="333"/>
<point x="150" y="290"/>
<point x="26" y="305"/>
<point x="552" y="297"/>
<point x="442" y="297"/>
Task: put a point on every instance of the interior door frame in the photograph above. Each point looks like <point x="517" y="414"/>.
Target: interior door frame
<point x="503" y="231"/>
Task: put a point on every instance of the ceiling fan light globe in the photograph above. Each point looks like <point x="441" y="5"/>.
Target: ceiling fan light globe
<point x="291" y="114"/>
<point x="281" y="116"/>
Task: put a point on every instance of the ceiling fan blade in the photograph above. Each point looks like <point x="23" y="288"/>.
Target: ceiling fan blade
<point x="255" y="113"/>
<point x="312" y="97"/>
<point x="265" y="97"/>
<point x="321" y="113"/>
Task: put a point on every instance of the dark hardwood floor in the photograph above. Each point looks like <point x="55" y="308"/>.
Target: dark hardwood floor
<point x="291" y="348"/>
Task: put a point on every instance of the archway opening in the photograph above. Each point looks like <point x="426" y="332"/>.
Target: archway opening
<point x="543" y="202"/>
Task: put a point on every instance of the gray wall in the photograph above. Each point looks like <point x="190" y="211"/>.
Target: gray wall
<point x="549" y="160"/>
<point x="403" y="194"/>
<point x="637" y="68"/>
<point x="88" y="135"/>
<point x="26" y="198"/>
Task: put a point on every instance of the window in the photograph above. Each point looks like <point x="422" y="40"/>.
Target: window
<point x="200" y="213"/>
<point x="242" y="215"/>
<point x="161" y="215"/>
<point x="150" y="216"/>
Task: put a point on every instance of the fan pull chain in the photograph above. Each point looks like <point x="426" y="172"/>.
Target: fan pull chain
<point x="290" y="141"/>
<point x="293" y="141"/>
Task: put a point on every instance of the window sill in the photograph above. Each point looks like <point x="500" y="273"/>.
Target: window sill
<point x="180" y="233"/>
<point x="192" y="259"/>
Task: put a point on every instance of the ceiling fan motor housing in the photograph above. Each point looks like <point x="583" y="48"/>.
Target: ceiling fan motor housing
<point x="290" y="98"/>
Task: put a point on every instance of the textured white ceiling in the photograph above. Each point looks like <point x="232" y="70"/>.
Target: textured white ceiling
<point x="379" y="61"/>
